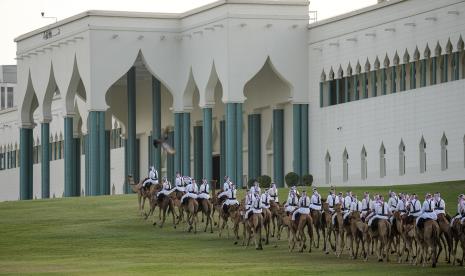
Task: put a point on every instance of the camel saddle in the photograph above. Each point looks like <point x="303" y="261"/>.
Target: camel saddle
<point x="421" y="223"/>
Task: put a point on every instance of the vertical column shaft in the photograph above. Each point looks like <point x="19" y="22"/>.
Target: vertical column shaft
<point x="186" y="144"/>
<point x="423" y="73"/>
<point x="321" y="94"/>
<point x="94" y="153"/>
<point x="178" y="141"/>
<point x="296" y="114"/>
<point x="402" y="77"/>
<point x="239" y="145"/>
<point x="278" y="146"/>
<point x="156" y="122"/>
<point x="131" y="131"/>
<point x="69" y="157"/>
<point x="383" y="81"/>
<point x="445" y="72"/>
<point x="103" y="145"/>
<point x="434" y="70"/>
<point x="77" y="166"/>
<point x="374" y="83"/>
<point x="346" y="90"/>
<point x="338" y="91"/>
<point x="393" y="79"/>
<point x="304" y="138"/>
<point x="107" y="158"/>
<point x="45" y="159"/>
<point x="170" y="159"/>
<point x="26" y="164"/>
<point x="207" y="141"/>
<point x="198" y="143"/>
<point x="413" y="79"/>
<point x="222" y="148"/>
<point x="231" y="137"/>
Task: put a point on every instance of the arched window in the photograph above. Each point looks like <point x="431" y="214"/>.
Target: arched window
<point x="363" y="158"/>
<point x="422" y="155"/>
<point x="345" y="166"/>
<point x="401" y="158"/>
<point x="444" y="157"/>
<point x="382" y="161"/>
<point x="327" y="168"/>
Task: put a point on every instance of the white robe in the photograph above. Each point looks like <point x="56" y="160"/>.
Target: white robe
<point x="204" y="191"/>
<point x="304" y="207"/>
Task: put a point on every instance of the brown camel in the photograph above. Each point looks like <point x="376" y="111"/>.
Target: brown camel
<point x="338" y="229"/>
<point x="297" y="228"/>
<point x="428" y="237"/>
<point x="380" y="231"/>
<point x="267" y="217"/>
<point x="358" y="234"/>
<point x="206" y="207"/>
<point x="282" y="220"/>
<point x="254" y="224"/>
<point x="176" y="197"/>
<point x="445" y="235"/>
<point x="317" y="218"/>
<point x="225" y="213"/>
<point x="458" y="236"/>
<point x="191" y="207"/>
<point x="327" y="225"/>
<point x="142" y="194"/>
<point x="274" y="208"/>
<point x="165" y="203"/>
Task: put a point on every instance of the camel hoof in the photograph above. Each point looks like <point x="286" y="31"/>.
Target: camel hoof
<point x="380" y="260"/>
<point x="235" y="242"/>
<point x="326" y="252"/>
<point x="154" y="224"/>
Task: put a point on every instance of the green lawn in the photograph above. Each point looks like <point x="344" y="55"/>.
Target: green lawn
<point x="105" y="235"/>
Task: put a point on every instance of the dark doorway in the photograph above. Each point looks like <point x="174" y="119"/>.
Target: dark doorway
<point x="216" y="170"/>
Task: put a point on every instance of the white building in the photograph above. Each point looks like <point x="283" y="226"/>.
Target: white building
<point x="241" y="88"/>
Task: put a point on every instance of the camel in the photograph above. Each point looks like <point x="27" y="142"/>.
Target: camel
<point x="458" y="236"/>
<point x="428" y="237"/>
<point x="267" y="217"/>
<point x="205" y="206"/>
<point x="282" y="220"/>
<point x="225" y="213"/>
<point x="176" y="197"/>
<point x="445" y="235"/>
<point x="274" y="208"/>
<point x="217" y="206"/>
<point x="404" y="240"/>
<point x="297" y="228"/>
<point x="380" y="231"/>
<point x="338" y="229"/>
<point x="327" y="225"/>
<point x="191" y="206"/>
<point x="142" y="194"/>
<point x="358" y="234"/>
<point x="254" y="224"/>
<point x="317" y="218"/>
<point x="165" y="203"/>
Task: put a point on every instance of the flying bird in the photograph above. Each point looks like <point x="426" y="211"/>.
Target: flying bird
<point x="163" y="143"/>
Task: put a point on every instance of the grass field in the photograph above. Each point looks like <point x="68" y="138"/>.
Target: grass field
<point x="105" y="235"/>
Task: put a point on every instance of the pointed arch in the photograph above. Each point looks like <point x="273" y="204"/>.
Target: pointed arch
<point x="327" y="168"/>
<point x="345" y="165"/>
<point x="28" y="105"/>
<point x="382" y="160"/>
<point x="363" y="159"/>
<point x="207" y="98"/>
<point x="188" y="94"/>
<point x="401" y="157"/>
<point x="444" y="154"/>
<point x="422" y="146"/>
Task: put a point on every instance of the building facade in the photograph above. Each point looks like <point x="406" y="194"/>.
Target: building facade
<point x="241" y="88"/>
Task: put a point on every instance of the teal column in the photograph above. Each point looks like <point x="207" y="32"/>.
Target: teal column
<point x="77" y="167"/>
<point x="107" y="157"/>
<point x="356" y="92"/>
<point x="170" y="159"/>
<point x="45" y="159"/>
<point x="338" y="91"/>
<point x="304" y="138"/>
<point x="177" y="141"/>
<point x="321" y="94"/>
<point x="239" y="146"/>
<point x="445" y="72"/>
<point x="330" y="91"/>
<point x="373" y="83"/>
<point x="222" y="149"/>
<point x="103" y="148"/>
<point x="25" y="167"/>
<point x="393" y="79"/>
<point x="278" y="146"/>
<point x="86" y="165"/>
<point x="69" y="157"/>
<point x="254" y="154"/>
<point x="231" y="137"/>
<point x="346" y="90"/>
<point x="383" y="81"/>
<point x="156" y="122"/>
<point x="364" y="86"/>
<point x="434" y="70"/>
<point x="402" y="78"/>
<point x="297" y="136"/>
<point x="131" y="130"/>
<point x="94" y="153"/>
<point x="413" y="77"/>
<point x="207" y="142"/>
<point x="198" y="159"/>
<point x="186" y="144"/>
<point x="423" y="73"/>
<point x="456" y="66"/>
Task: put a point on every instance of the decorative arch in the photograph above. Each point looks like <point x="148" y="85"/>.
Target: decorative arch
<point x="401" y="157"/>
<point x="345" y="166"/>
<point x="422" y="147"/>
<point x="444" y="154"/>
<point x="28" y="105"/>
<point x="363" y="159"/>
<point x="327" y="168"/>
<point x="382" y="161"/>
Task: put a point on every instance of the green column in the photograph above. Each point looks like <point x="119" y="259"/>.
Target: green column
<point x="186" y="143"/>
<point x="45" y="159"/>
<point x="222" y="149"/>
<point x="178" y="141"/>
<point x="94" y="153"/>
<point x="434" y="65"/>
<point x="198" y="141"/>
<point x="254" y="148"/>
<point x="77" y="166"/>
<point x="356" y="92"/>
<point x="103" y="148"/>
<point x="239" y="143"/>
<point x="207" y="141"/>
<point x="231" y="141"/>
<point x="25" y="167"/>
<point x="304" y="138"/>
<point x="338" y="90"/>
<point x="402" y="77"/>
<point x="131" y="130"/>
<point x="413" y="78"/>
<point x="69" y="157"/>
<point x="383" y="81"/>
<point x="456" y="66"/>
<point x="297" y="136"/>
<point x="278" y="146"/>
<point x="364" y="85"/>
<point x="321" y="94"/>
<point x="423" y="73"/>
<point x="346" y="90"/>
<point x="445" y="72"/>
<point x="156" y="122"/>
<point x="86" y="165"/>
<point x="170" y="159"/>
<point x="393" y="79"/>
<point x="373" y="84"/>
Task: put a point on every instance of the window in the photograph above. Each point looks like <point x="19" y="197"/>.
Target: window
<point x="363" y="158"/>
<point x="444" y="161"/>
<point x="382" y="161"/>
<point x="402" y="158"/>
<point x="345" y="166"/>
<point x="2" y="100"/>
<point x="422" y="155"/>
<point x="9" y="103"/>
<point x="327" y="168"/>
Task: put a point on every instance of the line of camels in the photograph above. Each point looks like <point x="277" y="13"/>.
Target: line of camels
<point x="401" y="238"/>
